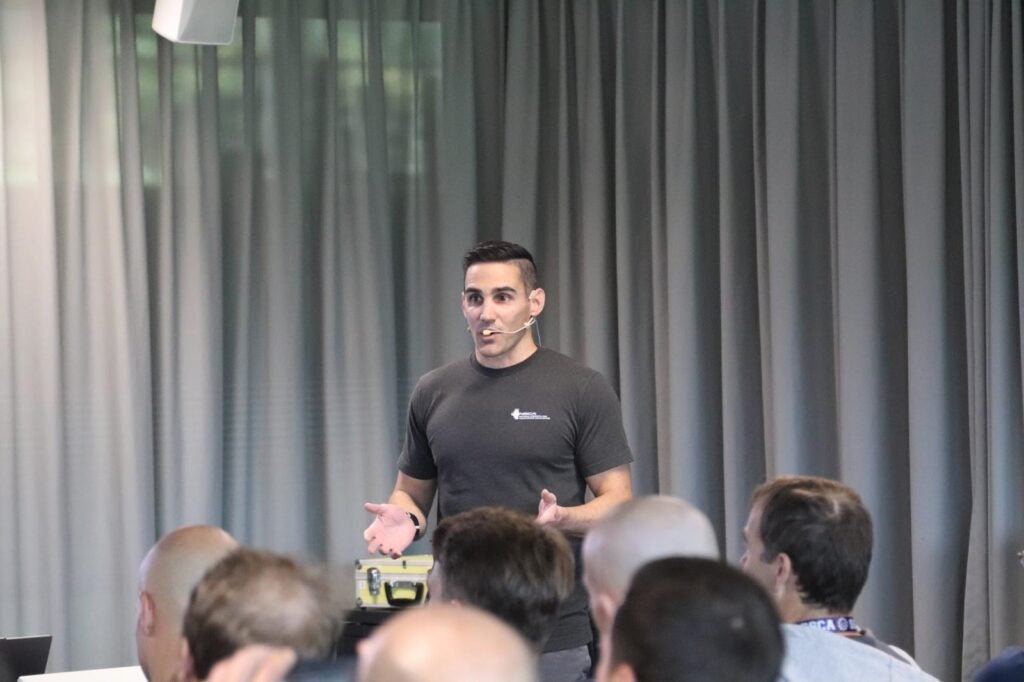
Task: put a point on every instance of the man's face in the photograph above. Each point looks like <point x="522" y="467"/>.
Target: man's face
<point x="495" y="299"/>
<point x="752" y="561"/>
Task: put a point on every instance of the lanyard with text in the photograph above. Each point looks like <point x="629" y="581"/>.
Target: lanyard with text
<point x="840" y="624"/>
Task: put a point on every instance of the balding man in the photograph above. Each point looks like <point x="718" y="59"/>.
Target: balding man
<point x="634" y="533"/>
<point x="166" y="577"/>
<point x="444" y="643"/>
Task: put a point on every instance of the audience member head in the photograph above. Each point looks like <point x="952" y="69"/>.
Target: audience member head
<point x="634" y="533"/>
<point x="256" y="597"/>
<point x="809" y="544"/>
<point x="170" y="570"/>
<point x="445" y="643"/>
<point x="502" y="562"/>
<point x="694" y="620"/>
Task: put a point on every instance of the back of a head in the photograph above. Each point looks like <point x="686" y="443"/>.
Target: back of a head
<point x="256" y="597"/>
<point x="696" y="620"/>
<point x="639" y="531"/>
<point x="502" y="562"/>
<point x="444" y="643"/>
<point x="825" y="529"/>
<point x="170" y="570"/>
<point x="178" y="560"/>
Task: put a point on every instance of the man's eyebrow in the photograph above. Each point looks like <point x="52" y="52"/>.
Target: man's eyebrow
<point x="505" y="288"/>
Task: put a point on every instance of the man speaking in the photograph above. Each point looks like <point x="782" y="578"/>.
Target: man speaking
<point x="516" y="426"/>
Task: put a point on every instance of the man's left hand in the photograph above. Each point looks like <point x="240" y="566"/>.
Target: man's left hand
<point x="548" y="511"/>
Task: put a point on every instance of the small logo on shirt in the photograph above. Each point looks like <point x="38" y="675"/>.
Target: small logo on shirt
<point x="520" y="415"/>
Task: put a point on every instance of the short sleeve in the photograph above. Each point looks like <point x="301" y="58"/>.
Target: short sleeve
<point x="601" y="442"/>
<point x="416" y="459"/>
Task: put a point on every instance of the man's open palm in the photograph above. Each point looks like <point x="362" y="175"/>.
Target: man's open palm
<point x="391" y="531"/>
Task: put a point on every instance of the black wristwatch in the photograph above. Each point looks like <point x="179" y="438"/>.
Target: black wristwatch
<point x="416" y="524"/>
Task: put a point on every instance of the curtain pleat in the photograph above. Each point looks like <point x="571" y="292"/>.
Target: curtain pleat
<point x="936" y="342"/>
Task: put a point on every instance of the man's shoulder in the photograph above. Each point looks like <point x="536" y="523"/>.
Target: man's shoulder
<point x="813" y="654"/>
<point x="1009" y="665"/>
<point x="445" y="374"/>
<point x="551" y="361"/>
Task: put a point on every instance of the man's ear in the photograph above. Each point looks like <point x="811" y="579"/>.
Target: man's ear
<point x="147" y="613"/>
<point x="785" y="576"/>
<point x="186" y="665"/>
<point x="536" y="302"/>
<point x="605" y="607"/>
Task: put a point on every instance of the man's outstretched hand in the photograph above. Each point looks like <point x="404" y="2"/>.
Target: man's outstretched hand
<point x="391" y="531"/>
<point x="548" y="511"/>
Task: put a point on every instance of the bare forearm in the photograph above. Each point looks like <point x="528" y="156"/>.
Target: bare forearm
<point x="414" y="495"/>
<point x="578" y="520"/>
<point x="406" y="502"/>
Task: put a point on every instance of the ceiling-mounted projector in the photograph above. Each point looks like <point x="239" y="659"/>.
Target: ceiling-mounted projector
<point x="201" y="22"/>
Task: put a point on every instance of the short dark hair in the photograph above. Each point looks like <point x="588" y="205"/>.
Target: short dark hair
<point x="257" y="597"/>
<point x="824" y="528"/>
<point x="499" y="560"/>
<point x="504" y="252"/>
<point x="699" y="620"/>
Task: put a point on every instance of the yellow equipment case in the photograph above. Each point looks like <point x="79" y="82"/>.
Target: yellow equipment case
<point x="385" y="583"/>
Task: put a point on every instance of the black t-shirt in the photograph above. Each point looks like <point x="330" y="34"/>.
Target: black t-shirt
<point x="497" y="437"/>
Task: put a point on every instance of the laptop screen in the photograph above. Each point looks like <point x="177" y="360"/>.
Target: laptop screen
<point x="23" y="656"/>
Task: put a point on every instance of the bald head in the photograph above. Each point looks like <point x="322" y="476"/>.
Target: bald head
<point x="166" y="577"/>
<point x="176" y="563"/>
<point x="445" y="643"/>
<point x="639" y="531"/>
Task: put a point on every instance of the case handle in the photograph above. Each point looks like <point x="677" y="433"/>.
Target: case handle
<point x="403" y="585"/>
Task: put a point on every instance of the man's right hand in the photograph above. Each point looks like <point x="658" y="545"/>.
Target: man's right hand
<point x="391" y="532"/>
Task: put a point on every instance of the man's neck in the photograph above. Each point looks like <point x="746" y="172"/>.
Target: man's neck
<point x="801" y="612"/>
<point x="521" y="353"/>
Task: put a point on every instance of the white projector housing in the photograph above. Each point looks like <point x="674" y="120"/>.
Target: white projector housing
<point x="201" y="22"/>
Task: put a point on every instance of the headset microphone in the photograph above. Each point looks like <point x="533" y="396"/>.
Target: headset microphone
<point x="529" y="323"/>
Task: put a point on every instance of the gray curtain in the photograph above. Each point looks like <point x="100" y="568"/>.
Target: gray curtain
<point x="789" y="232"/>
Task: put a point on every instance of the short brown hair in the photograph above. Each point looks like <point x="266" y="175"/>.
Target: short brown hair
<point x="257" y="597"/>
<point x="824" y="529"/>
<point x="499" y="560"/>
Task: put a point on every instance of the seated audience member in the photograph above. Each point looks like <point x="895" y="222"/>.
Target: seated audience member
<point x="813" y="655"/>
<point x="694" y="620"/>
<point x="166" y="577"/>
<point x="634" y="533"/>
<point x="809" y="542"/>
<point x="1006" y="667"/>
<point x="444" y="643"/>
<point x="256" y="597"/>
<point x="502" y="562"/>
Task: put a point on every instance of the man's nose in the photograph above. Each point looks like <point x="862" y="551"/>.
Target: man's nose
<point x="487" y="310"/>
